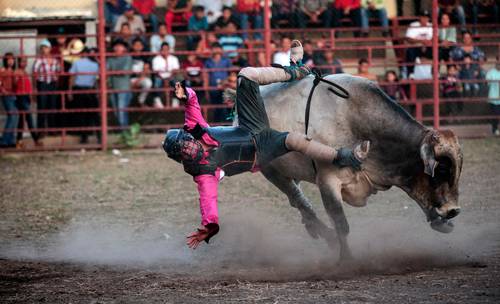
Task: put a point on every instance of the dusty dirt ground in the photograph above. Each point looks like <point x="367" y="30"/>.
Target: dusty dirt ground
<point x="99" y="228"/>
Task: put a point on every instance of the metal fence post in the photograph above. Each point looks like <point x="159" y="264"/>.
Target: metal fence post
<point x="267" y="31"/>
<point x="101" y="38"/>
<point x="435" y="62"/>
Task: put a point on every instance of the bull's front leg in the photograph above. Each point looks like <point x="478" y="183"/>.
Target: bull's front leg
<point x="330" y="188"/>
<point x="314" y="226"/>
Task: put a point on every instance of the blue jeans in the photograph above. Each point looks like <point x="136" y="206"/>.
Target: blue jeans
<point x="257" y="22"/>
<point x="380" y="14"/>
<point x="23" y="103"/>
<point x="120" y="102"/>
<point x="9" y="132"/>
<point x="154" y="22"/>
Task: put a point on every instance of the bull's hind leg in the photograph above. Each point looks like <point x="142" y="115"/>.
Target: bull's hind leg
<point x="330" y="188"/>
<point x="314" y="226"/>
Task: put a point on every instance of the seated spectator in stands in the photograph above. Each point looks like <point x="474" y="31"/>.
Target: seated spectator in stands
<point x="226" y="17"/>
<point x="284" y="10"/>
<point x="392" y="87"/>
<point x="141" y="66"/>
<point x="213" y="8"/>
<point x="113" y="9"/>
<point x="125" y="33"/>
<point x="493" y="78"/>
<point x="309" y="57"/>
<point x="250" y="10"/>
<point x="451" y="88"/>
<point x="490" y="7"/>
<point x="192" y="67"/>
<point x="158" y="39"/>
<point x="177" y="11"/>
<point x="197" y="22"/>
<point x="135" y="21"/>
<point x="470" y="72"/>
<point x="447" y="37"/>
<point x="328" y="64"/>
<point x="46" y="70"/>
<point x="7" y="89"/>
<point x="217" y="61"/>
<point x="364" y="70"/>
<point x="23" y="102"/>
<point x="146" y="8"/>
<point x="83" y="77"/>
<point x="418" y="34"/>
<point x="165" y="65"/>
<point x="374" y="9"/>
<point x="346" y="8"/>
<point x="283" y="57"/>
<point x="453" y="7"/>
<point x="314" y="11"/>
<point x="121" y="63"/>
<point x="230" y="40"/>
<point x="458" y="53"/>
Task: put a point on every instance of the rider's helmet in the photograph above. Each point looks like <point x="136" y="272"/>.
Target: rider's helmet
<point x="182" y="146"/>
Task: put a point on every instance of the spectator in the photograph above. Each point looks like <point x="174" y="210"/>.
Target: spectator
<point x="227" y="16"/>
<point x="392" y="87"/>
<point x="84" y="75"/>
<point x="447" y="37"/>
<point x="283" y="57"/>
<point x="374" y="9"/>
<point x="135" y="21"/>
<point x="213" y="8"/>
<point x="141" y="66"/>
<point x="46" y="71"/>
<point x="7" y="89"/>
<point x="308" y="58"/>
<point x="284" y="10"/>
<point x="493" y="78"/>
<point x="192" y="67"/>
<point x="23" y="102"/>
<point x="453" y="7"/>
<point x="230" y="40"/>
<point x="329" y="64"/>
<point x="419" y="34"/>
<point x="197" y="22"/>
<point x="120" y="63"/>
<point x="347" y="8"/>
<point x="458" y="53"/>
<point x="485" y="7"/>
<point x="314" y="11"/>
<point x="261" y="60"/>
<point x="364" y="70"/>
<point x="177" y="11"/>
<point x="146" y="8"/>
<point x="61" y="43"/>
<point x="126" y="33"/>
<point x="451" y="88"/>
<point x="221" y="63"/>
<point x="113" y="9"/>
<point x="162" y="37"/>
<point x="250" y="10"/>
<point x="470" y="73"/>
<point x="164" y="67"/>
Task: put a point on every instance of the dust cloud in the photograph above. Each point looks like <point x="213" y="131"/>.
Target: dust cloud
<point x="255" y="247"/>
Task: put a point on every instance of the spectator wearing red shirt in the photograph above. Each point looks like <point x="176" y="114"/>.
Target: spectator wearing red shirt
<point x="177" y="11"/>
<point x="250" y="10"/>
<point x="146" y="9"/>
<point x="192" y="67"/>
<point x="347" y="8"/>
<point x="23" y="102"/>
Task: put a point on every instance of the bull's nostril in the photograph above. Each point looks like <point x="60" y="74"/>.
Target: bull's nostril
<point x="452" y="213"/>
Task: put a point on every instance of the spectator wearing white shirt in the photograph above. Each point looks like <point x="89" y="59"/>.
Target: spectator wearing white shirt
<point x="162" y="36"/>
<point x="135" y="21"/>
<point x="419" y="34"/>
<point x="283" y="57"/>
<point x="164" y="66"/>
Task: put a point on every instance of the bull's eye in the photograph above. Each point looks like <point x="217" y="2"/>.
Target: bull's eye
<point x="442" y="172"/>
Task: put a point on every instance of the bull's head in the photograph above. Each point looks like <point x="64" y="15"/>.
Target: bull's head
<point x="435" y="188"/>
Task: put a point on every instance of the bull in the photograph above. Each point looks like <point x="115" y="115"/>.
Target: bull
<point x="423" y="162"/>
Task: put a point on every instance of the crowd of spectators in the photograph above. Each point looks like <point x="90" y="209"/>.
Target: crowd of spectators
<point x="142" y="61"/>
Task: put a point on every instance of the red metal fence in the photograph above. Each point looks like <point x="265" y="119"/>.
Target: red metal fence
<point x="423" y="101"/>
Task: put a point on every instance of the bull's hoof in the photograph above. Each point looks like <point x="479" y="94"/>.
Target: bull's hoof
<point x="312" y="228"/>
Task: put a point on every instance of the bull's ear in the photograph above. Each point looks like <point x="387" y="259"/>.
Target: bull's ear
<point x="427" y="154"/>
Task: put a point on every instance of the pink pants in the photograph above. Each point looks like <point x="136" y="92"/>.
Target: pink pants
<point x="207" y="188"/>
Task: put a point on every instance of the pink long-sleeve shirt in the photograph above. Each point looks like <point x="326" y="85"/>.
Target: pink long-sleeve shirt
<point x="207" y="183"/>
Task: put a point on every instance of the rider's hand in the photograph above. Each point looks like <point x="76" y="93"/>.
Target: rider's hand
<point x="202" y="234"/>
<point x="179" y="91"/>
